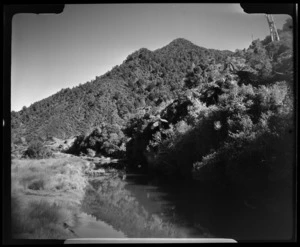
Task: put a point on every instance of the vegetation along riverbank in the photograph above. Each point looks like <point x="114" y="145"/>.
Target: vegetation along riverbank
<point x="180" y="113"/>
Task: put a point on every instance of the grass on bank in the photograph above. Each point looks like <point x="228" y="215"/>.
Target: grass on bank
<point x="46" y="196"/>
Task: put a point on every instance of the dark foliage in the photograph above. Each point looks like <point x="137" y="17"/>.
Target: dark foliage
<point x="106" y="140"/>
<point x="184" y="110"/>
<point x="145" y="78"/>
<point x="233" y="128"/>
<point x="37" y="150"/>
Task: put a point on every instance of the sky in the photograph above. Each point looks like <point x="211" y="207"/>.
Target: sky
<point x="55" y="51"/>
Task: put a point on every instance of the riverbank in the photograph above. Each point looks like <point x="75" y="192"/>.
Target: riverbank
<point x="46" y="197"/>
<point x="47" y="194"/>
<point x="75" y="197"/>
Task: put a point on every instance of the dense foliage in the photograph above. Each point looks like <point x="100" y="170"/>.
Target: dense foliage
<point x="184" y="110"/>
<point x="225" y="120"/>
<point x="144" y="79"/>
<point x="107" y="140"/>
<point x="37" y="150"/>
<point x="233" y="126"/>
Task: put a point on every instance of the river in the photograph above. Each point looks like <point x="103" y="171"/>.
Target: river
<point x="140" y="207"/>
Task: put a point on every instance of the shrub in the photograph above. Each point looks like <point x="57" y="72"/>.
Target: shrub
<point x="38" y="184"/>
<point x="37" y="150"/>
<point x="182" y="127"/>
<point x="106" y="140"/>
<point x="91" y="152"/>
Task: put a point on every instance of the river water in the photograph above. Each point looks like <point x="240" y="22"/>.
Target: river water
<point x="139" y="207"/>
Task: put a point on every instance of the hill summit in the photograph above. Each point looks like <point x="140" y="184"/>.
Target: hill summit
<point x="184" y="112"/>
<point x="147" y="81"/>
<point x="180" y="41"/>
<point x="145" y="78"/>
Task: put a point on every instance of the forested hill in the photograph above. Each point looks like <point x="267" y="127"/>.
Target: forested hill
<point x="187" y="113"/>
<point x="149" y="80"/>
<point x="145" y="78"/>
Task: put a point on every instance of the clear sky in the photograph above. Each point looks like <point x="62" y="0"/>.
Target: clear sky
<point x="55" y="51"/>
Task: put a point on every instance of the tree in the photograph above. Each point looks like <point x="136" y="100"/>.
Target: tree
<point x="288" y="25"/>
<point x="192" y="79"/>
<point x="37" y="150"/>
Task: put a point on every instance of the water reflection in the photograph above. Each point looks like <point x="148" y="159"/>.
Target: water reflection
<point x="142" y="207"/>
<point x="134" y="209"/>
<point x="179" y="204"/>
<point x="209" y="211"/>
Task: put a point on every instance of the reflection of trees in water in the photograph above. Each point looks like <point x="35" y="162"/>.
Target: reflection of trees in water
<point x="182" y="204"/>
<point x="115" y="205"/>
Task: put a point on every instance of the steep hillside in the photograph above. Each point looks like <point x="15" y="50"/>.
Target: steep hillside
<point x="185" y="113"/>
<point x="145" y="78"/>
